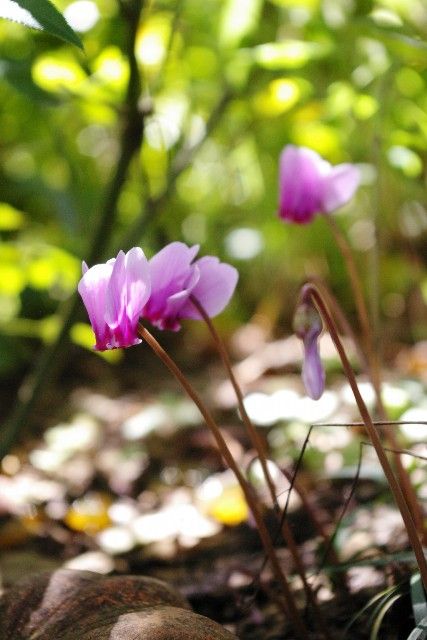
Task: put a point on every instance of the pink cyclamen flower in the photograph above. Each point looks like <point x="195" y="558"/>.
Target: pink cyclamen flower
<point x="114" y="295"/>
<point x="308" y="326"/>
<point x="175" y="277"/>
<point x="308" y="184"/>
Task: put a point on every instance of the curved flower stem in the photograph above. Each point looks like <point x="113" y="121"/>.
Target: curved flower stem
<point x="299" y="626"/>
<point x="371" y="366"/>
<point x="258" y="445"/>
<point x="312" y="290"/>
<point x="256" y="441"/>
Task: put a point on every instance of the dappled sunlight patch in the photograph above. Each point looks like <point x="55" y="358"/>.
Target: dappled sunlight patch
<point x="95" y="561"/>
<point x="180" y="522"/>
<point x="56" y="72"/>
<point x="222" y="498"/>
<point x="413" y="431"/>
<point x="89" y="513"/>
<point x="82" y="15"/>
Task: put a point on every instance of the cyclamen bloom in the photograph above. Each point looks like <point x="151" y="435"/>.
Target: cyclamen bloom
<point x="308" y="326"/>
<point x="308" y="184"/>
<point x="175" y="277"/>
<point x="114" y="295"/>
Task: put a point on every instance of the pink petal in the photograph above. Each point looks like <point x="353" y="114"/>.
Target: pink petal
<point x="300" y="184"/>
<point x="214" y="288"/>
<point x="138" y="286"/>
<point x="116" y="293"/>
<point x="313" y="374"/>
<point x="171" y="265"/>
<point x="339" y="186"/>
<point x="93" y="290"/>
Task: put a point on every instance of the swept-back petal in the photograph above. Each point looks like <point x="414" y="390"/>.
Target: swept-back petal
<point x="214" y="288"/>
<point x="339" y="186"/>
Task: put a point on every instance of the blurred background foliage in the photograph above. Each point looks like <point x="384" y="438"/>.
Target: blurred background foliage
<point x="347" y="78"/>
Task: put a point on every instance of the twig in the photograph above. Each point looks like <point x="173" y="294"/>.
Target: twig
<point x="131" y="137"/>
<point x="182" y="160"/>
<point x="376" y="423"/>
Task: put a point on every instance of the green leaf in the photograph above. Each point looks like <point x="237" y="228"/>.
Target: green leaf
<point x="39" y="14"/>
<point x="377" y="602"/>
<point x="418" y="599"/>
<point x="420" y="631"/>
<point x="380" y="612"/>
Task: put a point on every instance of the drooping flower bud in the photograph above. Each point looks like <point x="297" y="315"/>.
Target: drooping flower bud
<point x="308" y="326"/>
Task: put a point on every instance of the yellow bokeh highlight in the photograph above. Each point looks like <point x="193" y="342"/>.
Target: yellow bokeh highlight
<point x="11" y="219"/>
<point x="279" y="96"/>
<point x="365" y="106"/>
<point x="229" y="507"/>
<point x="12" y="279"/>
<point x="288" y="54"/>
<point x="152" y="40"/>
<point x="41" y="273"/>
<point x="111" y="68"/>
<point x="238" y="19"/>
<point x="89" y="513"/>
<point x="55" y="73"/>
<point x="318" y="136"/>
<point x="53" y="267"/>
<point x="82" y="335"/>
<point x="291" y="4"/>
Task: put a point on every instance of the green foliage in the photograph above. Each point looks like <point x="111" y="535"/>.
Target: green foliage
<point x="347" y="79"/>
<point x="39" y="14"/>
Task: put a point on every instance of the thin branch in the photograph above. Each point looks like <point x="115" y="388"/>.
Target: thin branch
<point x="376" y="423"/>
<point x="182" y="160"/>
<point x="131" y="137"/>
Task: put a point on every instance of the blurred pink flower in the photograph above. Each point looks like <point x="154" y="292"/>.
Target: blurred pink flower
<point x="308" y="326"/>
<point x="308" y="184"/>
<point x="175" y="277"/>
<point x="114" y="295"/>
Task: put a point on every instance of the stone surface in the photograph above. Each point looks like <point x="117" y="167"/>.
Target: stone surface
<point x="68" y="604"/>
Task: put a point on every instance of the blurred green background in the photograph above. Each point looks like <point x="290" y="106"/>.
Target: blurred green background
<point x="224" y="85"/>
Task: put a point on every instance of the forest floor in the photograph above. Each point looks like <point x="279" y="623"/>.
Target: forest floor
<point x="121" y="476"/>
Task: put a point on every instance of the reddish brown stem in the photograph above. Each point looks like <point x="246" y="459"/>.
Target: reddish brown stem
<point x="298" y="624"/>
<point x="311" y="290"/>
<point x="369" y="361"/>
<point x="258" y="445"/>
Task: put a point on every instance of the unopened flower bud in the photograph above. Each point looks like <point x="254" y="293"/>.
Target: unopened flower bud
<point x="308" y="326"/>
